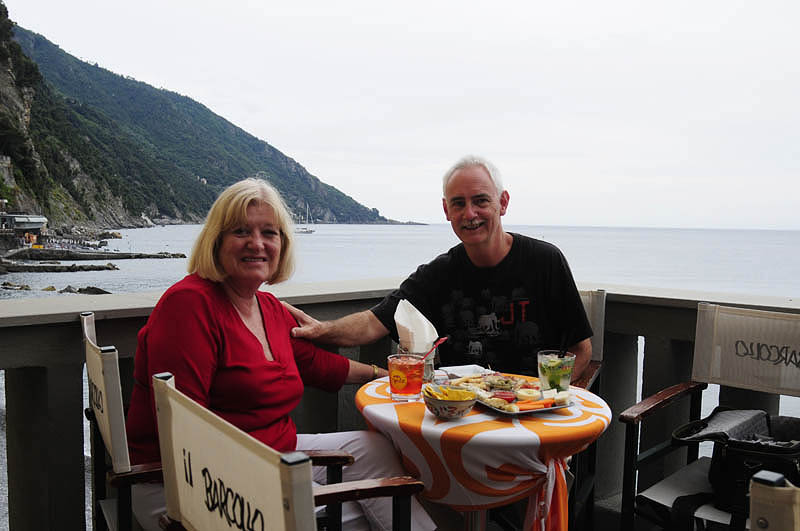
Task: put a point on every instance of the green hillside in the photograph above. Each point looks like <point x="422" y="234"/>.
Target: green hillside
<point x="159" y="152"/>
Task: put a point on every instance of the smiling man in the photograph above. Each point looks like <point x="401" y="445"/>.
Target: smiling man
<point x="500" y="296"/>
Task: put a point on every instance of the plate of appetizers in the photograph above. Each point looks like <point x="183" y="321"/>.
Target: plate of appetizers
<point x="512" y="395"/>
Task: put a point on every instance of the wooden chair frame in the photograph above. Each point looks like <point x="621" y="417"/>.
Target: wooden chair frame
<point x="632" y="418"/>
<point x="105" y="398"/>
<point x="104" y="475"/>
<point x="702" y="374"/>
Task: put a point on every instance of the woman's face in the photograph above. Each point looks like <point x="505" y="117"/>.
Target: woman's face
<point x="249" y="254"/>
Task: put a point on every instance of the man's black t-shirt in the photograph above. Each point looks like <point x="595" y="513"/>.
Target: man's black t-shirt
<point x="497" y="316"/>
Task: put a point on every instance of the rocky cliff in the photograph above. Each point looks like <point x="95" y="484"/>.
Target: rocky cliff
<point x="86" y="146"/>
<point x="29" y="108"/>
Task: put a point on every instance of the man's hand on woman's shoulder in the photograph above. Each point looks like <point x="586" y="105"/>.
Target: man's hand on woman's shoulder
<point x="355" y="329"/>
<point x="308" y="327"/>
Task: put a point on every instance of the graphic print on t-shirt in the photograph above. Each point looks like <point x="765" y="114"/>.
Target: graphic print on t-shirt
<point x="491" y="329"/>
<point x="497" y="316"/>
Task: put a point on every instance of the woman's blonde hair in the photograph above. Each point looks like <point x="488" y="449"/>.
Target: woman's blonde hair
<point x="228" y="212"/>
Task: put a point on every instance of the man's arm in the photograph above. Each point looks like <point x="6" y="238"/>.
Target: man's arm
<point x="351" y="330"/>
<point x="583" y="355"/>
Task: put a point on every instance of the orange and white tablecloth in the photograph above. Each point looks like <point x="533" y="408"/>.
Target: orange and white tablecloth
<point x="487" y="459"/>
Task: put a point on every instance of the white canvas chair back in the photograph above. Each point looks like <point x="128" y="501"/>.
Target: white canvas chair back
<point x="594" y="302"/>
<point x="216" y="476"/>
<point x="105" y="394"/>
<point x="748" y="349"/>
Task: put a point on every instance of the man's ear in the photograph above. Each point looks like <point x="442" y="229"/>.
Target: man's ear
<point x="504" y="198"/>
<point x="444" y="207"/>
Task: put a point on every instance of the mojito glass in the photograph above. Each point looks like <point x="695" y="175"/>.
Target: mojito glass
<point x="555" y="369"/>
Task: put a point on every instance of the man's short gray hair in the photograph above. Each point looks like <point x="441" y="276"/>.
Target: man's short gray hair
<point x="468" y="162"/>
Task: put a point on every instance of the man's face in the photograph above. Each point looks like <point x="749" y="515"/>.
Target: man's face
<point x="472" y="206"/>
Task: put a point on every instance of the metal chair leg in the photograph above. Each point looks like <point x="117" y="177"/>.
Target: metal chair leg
<point x="401" y="513"/>
<point x="629" y="477"/>
<point x="334" y="510"/>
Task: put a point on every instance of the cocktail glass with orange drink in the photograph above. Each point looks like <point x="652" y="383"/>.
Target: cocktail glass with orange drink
<point x="405" y="376"/>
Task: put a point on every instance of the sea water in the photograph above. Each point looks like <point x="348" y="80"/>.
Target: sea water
<point x="754" y="262"/>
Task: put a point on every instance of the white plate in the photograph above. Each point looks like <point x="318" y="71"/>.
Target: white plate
<point x="515" y="413"/>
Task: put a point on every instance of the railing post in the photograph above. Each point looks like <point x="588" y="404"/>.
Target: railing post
<point x="627" y="517"/>
<point x="44" y="406"/>
<point x="666" y="362"/>
<point x="618" y="389"/>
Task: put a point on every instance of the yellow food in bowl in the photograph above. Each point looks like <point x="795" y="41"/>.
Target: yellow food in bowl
<point x="443" y="392"/>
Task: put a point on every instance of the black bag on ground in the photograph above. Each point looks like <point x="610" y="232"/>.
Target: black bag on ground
<point x="745" y="441"/>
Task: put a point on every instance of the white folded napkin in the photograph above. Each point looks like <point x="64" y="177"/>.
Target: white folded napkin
<point x="416" y="333"/>
<point x="465" y="370"/>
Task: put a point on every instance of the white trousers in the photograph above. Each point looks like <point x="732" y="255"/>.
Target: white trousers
<point x="374" y="456"/>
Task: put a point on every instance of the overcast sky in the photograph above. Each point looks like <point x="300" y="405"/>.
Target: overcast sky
<point x="671" y="114"/>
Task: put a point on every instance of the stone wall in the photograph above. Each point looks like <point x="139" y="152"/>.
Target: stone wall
<point x="8" y="241"/>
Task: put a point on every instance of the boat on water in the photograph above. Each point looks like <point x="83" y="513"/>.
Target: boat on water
<point x="304" y="229"/>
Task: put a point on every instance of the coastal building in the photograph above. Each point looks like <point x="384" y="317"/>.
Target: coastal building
<point x="21" y="223"/>
<point x="16" y="226"/>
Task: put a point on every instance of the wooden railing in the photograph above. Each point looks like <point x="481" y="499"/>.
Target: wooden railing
<point x="42" y="357"/>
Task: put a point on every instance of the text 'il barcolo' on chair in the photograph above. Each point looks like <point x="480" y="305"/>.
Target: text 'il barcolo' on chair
<point x="216" y="475"/>
<point x="726" y="352"/>
<point x="109" y="462"/>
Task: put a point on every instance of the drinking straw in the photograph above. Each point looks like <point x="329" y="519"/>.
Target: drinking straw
<point x="436" y="344"/>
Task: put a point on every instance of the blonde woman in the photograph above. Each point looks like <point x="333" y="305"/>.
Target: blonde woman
<point x="229" y="346"/>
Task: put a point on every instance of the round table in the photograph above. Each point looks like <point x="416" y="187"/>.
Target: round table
<point x="488" y="459"/>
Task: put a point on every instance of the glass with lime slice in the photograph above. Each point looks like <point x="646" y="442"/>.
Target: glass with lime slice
<point x="555" y="369"/>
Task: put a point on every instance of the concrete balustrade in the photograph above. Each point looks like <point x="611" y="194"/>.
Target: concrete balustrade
<point x="42" y="356"/>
